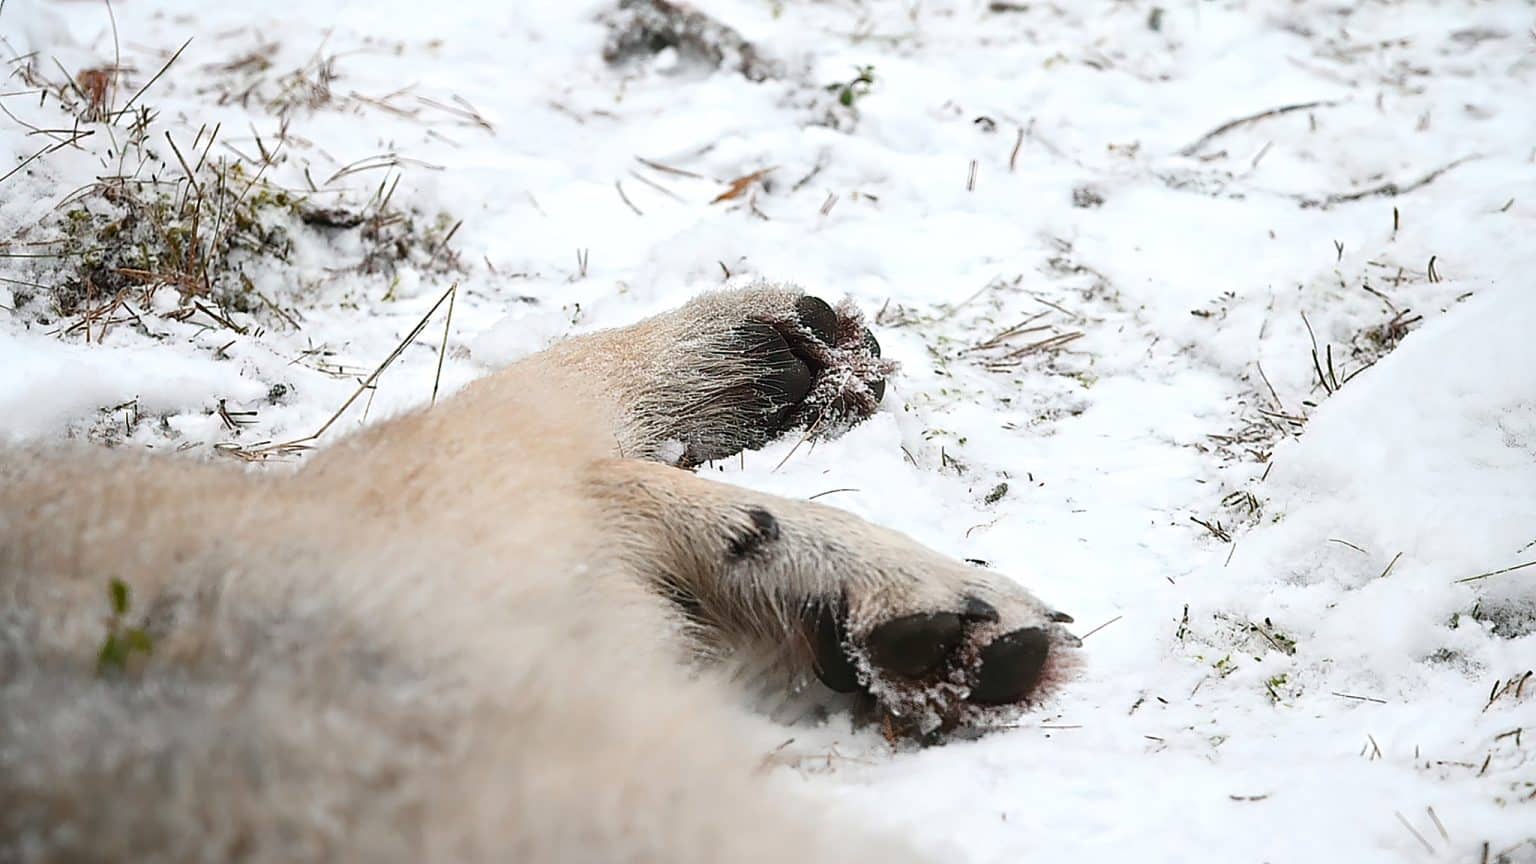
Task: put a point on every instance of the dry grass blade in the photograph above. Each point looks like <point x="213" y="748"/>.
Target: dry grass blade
<point x="44" y="152"/>
<point x="830" y="492"/>
<point x="1060" y="340"/>
<point x="740" y="185"/>
<point x="657" y="186"/>
<point x="191" y="175"/>
<point x="1496" y="572"/>
<point x="299" y="444"/>
<point x="1414" y="832"/>
<point x="1329" y="381"/>
<point x="151" y="81"/>
<point x="668" y="169"/>
<point x="1085" y="636"/>
<point x="117" y="59"/>
<point x="1444" y="834"/>
<point x="1390" y="565"/>
<point x="1005" y="335"/>
<point x="453" y="292"/>
<point x="619" y="185"/>
<point x="1215" y="529"/>
<point x="1387" y="190"/>
<point x="1228" y="126"/>
<point x="1359" y="698"/>
<point x="462" y="109"/>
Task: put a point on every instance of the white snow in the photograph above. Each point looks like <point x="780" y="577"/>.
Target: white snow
<point x="1332" y="685"/>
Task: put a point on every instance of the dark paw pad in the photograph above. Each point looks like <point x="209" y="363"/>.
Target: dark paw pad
<point x="1010" y="667"/>
<point x="914" y="645"/>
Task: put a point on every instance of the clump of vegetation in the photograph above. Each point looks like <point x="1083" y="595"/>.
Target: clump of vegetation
<point x="1276" y="687"/>
<point x="123" y="642"/>
<point x="199" y="217"/>
<point x="193" y="235"/>
<point x="643" y="28"/>
<point x="997" y="493"/>
<point x="850" y="91"/>
<point x="1374" y="342"/>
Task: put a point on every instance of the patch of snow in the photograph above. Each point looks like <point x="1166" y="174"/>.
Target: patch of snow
<point x="1097" y="303"/>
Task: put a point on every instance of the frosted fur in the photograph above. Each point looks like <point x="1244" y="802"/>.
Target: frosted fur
<point x="439" y="639"/>
<point x="680" y="376"/>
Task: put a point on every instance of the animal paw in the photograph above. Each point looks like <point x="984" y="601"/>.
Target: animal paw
<point x="978" y="660"/>
<point x="790" y="361"/>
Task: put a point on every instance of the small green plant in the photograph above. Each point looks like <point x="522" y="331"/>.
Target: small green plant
<point x="1274" y="685"/>
<point x="122" y="641"/>
<point x="1286" y="644"/>
<point x="848" y="92"/>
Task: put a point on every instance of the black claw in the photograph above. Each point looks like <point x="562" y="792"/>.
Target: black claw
<point x="1061" y="618"/>
<point x="826" y="626"/>
<point x="914" y="645"/>
<point x="1010" y="667"/>
<point x="871" y="344"/>
<point x="977" y="609"/>
<point x="816" y="316"/>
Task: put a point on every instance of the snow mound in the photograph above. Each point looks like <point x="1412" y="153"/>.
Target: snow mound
<point x="1414" y="480"/>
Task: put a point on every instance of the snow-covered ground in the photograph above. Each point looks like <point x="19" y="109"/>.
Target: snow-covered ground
<point x="1116" y="315"/>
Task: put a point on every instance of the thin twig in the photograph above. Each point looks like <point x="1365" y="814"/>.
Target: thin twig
<point x="829" y="492"/>
<point x="1101" y="627"/>
<point x="1228" y="126"/>
<point x="1387" y="190"/>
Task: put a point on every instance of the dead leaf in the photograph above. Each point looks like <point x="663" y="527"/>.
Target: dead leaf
<point x="741" y="185"/>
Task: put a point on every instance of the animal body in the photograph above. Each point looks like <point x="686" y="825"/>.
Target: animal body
<point x="495" y="629"/>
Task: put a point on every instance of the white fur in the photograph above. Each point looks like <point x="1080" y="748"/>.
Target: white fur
<point x="440" y="639"/>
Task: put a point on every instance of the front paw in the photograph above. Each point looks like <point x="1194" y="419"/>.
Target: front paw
<point x="782" y="360"/>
